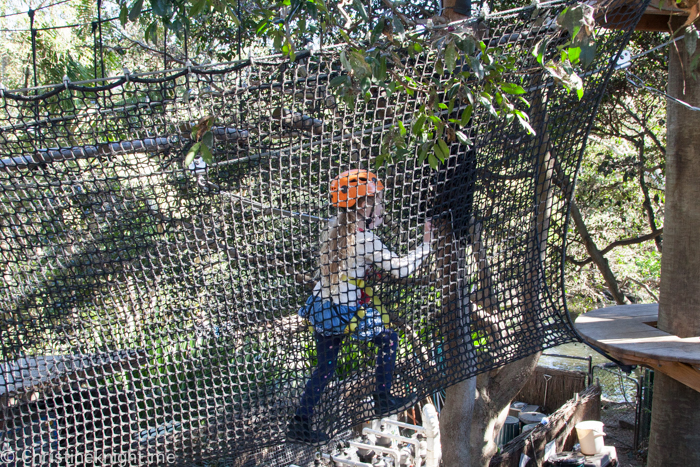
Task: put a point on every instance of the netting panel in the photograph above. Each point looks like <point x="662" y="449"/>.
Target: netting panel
<point x="152" y="310"/>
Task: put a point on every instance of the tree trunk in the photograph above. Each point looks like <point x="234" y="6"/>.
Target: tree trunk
<point x="675" y="418"/>
<point x="475" y="410"/>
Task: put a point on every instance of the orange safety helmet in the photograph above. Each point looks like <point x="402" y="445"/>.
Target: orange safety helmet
<point x="347" y="187"/>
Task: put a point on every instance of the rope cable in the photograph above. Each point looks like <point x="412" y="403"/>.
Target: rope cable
<point x="638" y="82"/>
<point x="35" y="9"/>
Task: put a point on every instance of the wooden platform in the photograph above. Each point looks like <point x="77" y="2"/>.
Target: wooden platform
<point x="629" y="334"/>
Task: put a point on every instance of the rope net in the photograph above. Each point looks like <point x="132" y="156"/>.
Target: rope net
<point x="151" y="310"/>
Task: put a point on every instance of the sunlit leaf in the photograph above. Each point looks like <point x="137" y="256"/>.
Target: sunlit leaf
<point x="191" y="154"/>
<point x="450" y="57"/>
<point x="462" y="138"/>
<point x="512" y="88"/>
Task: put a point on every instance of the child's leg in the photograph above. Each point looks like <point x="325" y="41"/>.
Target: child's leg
<point x="327" y="355"/>
<point x="387" y="343"/>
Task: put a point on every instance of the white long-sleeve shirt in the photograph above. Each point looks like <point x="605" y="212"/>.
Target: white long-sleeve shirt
<point x="369" y="249"/>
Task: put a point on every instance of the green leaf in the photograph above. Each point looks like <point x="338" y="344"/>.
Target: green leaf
<point x="208" y="139"/>
<point x="339" y="80"/>
<point x="451" y="107"/>
<point x="206" y="154"/>
<point x="462" y="138"/>
<point x="437" y="150"/>
<point x="161" y="8"/>
<point x="380" y="159"/>
<point x="360" y="7"/>
<point x="466" y="115"/>
<point x="477" y="67"/>
<point x="422" y="154"/>
<point x="381" y="76"/>
<point x="522" y="118"/>
<point x="442" y="106"/>
<point x="192" y="153"/>
<point x="346" y="38"/>
<point x="135" y="10"/>
<point x="579" y="93"/>
<point x="261" y="28"/>
<point x="573" y="54"/>
<point x="540" y="49"/>
<point x="691" y="39"/>
<point x="445" y="149"/>
<point x="151" y="33"/>
<point x="124" y="15"/>
<point x="450" y="57"/>
<point x="468" y="45"/>
<point x="694" y="63"/>
<point x="398" y="27"/>
<point x="344" y="61"/>
<point x="438" y="67"/>
<point x="197" y="7"/>
<point x="377" y="31"/>
<point x="365" y="84"/>
<point x="402" y="128"/>
<point x="418" y="125"/>
<point x="587" y="54"/>
<point x="512" y="88"/>
<point x="433" y="162"/>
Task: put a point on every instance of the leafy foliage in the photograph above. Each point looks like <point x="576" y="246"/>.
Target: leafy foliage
<point x="382" y="44"/>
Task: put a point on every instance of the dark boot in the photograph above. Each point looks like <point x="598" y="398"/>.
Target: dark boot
<point x="385" y="403"/>
<point x="299" y="430"/>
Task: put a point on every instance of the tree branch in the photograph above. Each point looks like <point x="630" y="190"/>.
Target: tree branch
<point x="647" y="200"/>
<point x="645" y="288"/>
<point x="651" y="134"/>
<point x="615" y="244"/>
<point x="596" y="255"/>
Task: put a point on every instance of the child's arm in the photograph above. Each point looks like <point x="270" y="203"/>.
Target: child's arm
<point x="372" y="248"/>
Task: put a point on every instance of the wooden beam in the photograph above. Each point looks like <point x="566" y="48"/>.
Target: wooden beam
<point x="655" y="17"/>
<point x="686" y="374"/>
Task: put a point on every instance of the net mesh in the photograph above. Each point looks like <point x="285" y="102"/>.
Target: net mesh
<point x="151" y="312"/>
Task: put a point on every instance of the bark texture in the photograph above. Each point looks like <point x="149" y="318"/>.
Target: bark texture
<point x="675" y="419"/>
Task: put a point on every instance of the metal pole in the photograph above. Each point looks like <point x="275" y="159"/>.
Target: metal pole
<point x="99" y="24"/>
<point x="94" y="48"/>
<point x="33" y="33"/>
<point x="238" y="13"/>
<point x="165" y="48"/>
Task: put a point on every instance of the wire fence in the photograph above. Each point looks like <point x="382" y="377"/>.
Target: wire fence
<point x="626" y="404"/>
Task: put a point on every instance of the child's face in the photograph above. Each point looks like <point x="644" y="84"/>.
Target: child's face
<point x="376" y="202"/>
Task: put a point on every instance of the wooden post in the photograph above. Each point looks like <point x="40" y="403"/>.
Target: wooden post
<point x="675" y="419"/>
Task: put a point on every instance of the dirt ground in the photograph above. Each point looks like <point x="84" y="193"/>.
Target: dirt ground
<point x="619" y="428"/>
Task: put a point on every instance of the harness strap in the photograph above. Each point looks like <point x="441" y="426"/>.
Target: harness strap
<point x="369" y="292"/>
